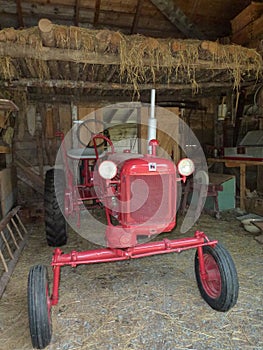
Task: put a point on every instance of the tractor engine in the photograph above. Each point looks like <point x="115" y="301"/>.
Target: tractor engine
<point x="139" y="194"/>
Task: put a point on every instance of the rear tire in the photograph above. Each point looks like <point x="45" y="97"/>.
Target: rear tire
<point x="39" y="307"/>
<point x="220" y="287"/>
<point x="56" y="226"/>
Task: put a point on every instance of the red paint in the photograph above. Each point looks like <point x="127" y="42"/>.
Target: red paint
<point x="142" y="197"/>
<point x="212" y="278"/>
<point x="166" y="246"/>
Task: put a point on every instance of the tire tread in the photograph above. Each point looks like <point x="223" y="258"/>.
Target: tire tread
<point x="55" y="223"/>
<point x="229" y="279"/>
<point x="39" y="322"/>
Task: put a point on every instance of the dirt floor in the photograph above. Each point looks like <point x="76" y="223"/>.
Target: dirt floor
<point x="151" y="303"/>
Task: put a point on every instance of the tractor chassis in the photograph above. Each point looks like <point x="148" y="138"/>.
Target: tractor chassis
<point x="101" y="255"/>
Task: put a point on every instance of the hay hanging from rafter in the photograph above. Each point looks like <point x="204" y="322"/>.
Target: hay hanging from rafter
<point x="141" y="59"/>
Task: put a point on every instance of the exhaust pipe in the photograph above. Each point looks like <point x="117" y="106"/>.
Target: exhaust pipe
<point x="152" y="123"/>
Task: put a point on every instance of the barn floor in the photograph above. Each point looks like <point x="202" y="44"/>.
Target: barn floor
<point x="150" y="303"/>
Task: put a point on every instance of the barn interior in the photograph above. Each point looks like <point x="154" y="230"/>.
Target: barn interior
<point x="66" y="61"/>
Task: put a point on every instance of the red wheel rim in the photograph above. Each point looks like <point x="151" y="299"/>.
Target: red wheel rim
<point x="212" y="281"/>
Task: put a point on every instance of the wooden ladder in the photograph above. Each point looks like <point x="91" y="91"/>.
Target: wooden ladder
<point x="13" y="236"/>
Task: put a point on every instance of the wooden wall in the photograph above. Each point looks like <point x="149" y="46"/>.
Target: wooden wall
<point x="166" y="125"/>
<point x="36" y="144"/>
<point x="8" y="190"/>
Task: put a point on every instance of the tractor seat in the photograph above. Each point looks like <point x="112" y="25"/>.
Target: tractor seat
<point x="84" y="153"/>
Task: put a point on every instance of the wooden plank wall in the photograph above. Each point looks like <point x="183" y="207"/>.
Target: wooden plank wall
<point x="8" y="190"/>
<point x="37" y="151"/>
<point x="168" y="147"/>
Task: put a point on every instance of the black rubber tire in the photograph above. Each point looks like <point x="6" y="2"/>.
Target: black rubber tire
<point x="220" y="290"/>
<point x="55" y="222"/>
<point x="39" y="315"/>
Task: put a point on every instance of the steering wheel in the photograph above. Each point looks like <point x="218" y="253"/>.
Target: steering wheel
<point x="88" y="129"/>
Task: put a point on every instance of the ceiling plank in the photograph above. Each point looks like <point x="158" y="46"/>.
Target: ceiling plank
<point x="76" y="14"/>
<point x="136" y="17"/>
<point x="96" y="13"/>
<point x="19" y="13"/>
<point x="178" y="18"/>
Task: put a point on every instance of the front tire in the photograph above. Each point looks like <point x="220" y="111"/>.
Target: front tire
<point x="220" y="286"/>
<point x="39" y="307"/>
<point x="56" y="226"/>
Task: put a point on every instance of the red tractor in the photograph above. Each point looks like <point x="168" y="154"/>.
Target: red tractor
<point x="138" y="194"/>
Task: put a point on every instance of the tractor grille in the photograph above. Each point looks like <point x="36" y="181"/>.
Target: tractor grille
<point x="152" y="199"/>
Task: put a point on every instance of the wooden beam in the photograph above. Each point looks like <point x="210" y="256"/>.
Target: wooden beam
<point x="92" y="100"/>
<point x="76" y="13"/>
<point x="96" y="13"/>
<point x="19" y="13"/>
<point x="110" y="97"/>
<point x="136" y="17"/>
<point x="49" y="54"/>
<point x="253" y="30"/>
<point x="71" y="84"/>
<point x="81" y="56"/>
<point x="178" y="18"/>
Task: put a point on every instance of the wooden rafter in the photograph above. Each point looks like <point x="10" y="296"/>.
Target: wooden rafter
<point x="108" y="98"/>
<point x="72" y="84"/>
<point x="177" y="17"/>
<point x="136" y="17"/>
<point x="76" y="14"/>
<point x="96" y="13"/>
<point x="81" y="56"/>
<point x="19" y="13"/>
<point x="49" y="54"/>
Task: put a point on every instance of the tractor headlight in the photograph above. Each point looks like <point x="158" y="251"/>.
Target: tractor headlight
<point x="107" y="169"/>
<point x="186" y="167"/>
